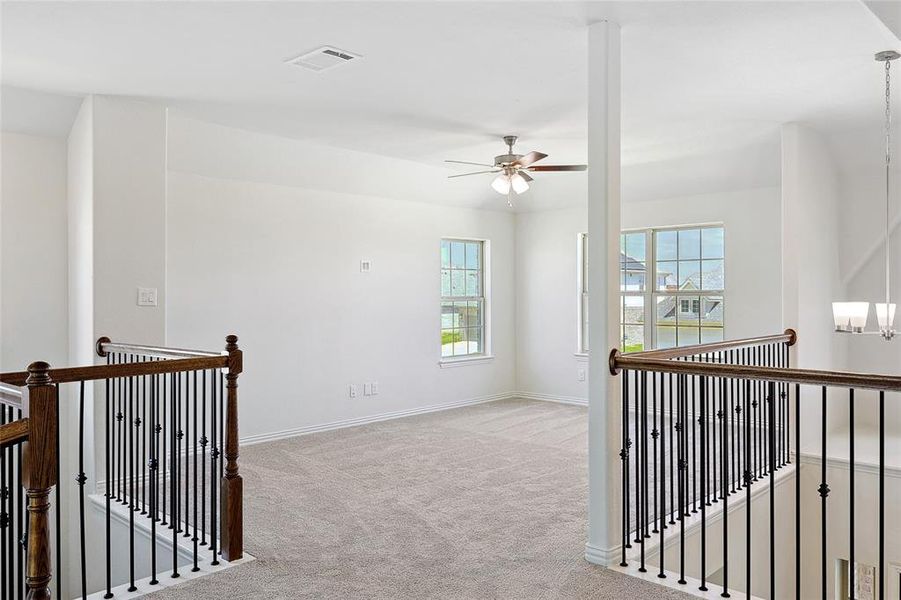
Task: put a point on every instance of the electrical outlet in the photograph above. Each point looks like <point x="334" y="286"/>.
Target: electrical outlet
<point x="147" y="296"/>
<point x="365" y="265"/>
<point x="374" y="388"/>
<point x="581" y="374"/>
<point x="352" y="390"/>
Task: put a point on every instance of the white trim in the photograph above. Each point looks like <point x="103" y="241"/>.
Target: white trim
<point x="604" y="557"/>
<point x="298" y="431"/>
<point x="450" y="362"/>
<point x="581" y="356"/>
<point x="121" y="514"/>
<point x="860" y="466"/>
<point x="571" y="400"/>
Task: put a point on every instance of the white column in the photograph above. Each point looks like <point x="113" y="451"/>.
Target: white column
<point x="604" y="419"/>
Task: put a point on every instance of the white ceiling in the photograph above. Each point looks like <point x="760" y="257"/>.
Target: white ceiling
<point x="705" y="84"/>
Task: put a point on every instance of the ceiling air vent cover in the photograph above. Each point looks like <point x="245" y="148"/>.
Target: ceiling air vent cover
<point x="324" y="58"/>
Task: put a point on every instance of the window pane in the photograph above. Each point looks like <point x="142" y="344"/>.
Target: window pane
<point x="666" y="245"/>
<point x="666" y="337"/>
<point x="712" y="243"/>
<point x="689" y="336"/>
<point x="712" y="311"/>
<point x="445" y="282"/>
<point x="713" y="275"/>
<point x="689" y="275"/>
<point x="475" y="313"/>
<point x="460" y="314"/>
<point x="472" y="255"/>
<point x="635" y="246"/>
<point x="448" y="337"/>
<point x="474" y="340"/>
<point x="458" y="283"/>
<point x="472" y="283"/>
<point x="448" y="319"/>
<point x="445" y="254"/>
<point x="689" y="312"/>
<point x="633" y="338"/>
<point x="633" y="310"/>
<point x="633" y="274"/>
<point x="689" y="244"/>
<point x="667" y="307"/>
<point x="666" y="276"/>
<point x="458" y="255"/>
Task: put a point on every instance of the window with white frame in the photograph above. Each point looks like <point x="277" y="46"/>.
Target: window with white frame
<point x="462" y="298"/>
<point x="672" y="286"/>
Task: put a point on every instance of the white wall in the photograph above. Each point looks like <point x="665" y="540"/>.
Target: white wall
<point x="33" y="313"/>
<point x="547" y="322"/>
<point x="547" y="309"/>
<point x="279" y="265"/>
<point x="811" y="278"/>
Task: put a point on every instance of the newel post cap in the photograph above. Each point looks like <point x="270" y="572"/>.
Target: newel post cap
<point x="38" y="373"/>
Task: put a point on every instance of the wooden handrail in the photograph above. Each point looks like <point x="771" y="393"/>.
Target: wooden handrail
<point x="97" y="372"/>
<point x="105" y="346"/>
<point x="789" y="337"/>
<point x="13" y="433"/>
<point x="888" y="383"/>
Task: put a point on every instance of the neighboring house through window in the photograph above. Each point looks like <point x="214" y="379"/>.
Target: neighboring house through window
<point x="685" y="304"/>
<point x="462" y="298"/>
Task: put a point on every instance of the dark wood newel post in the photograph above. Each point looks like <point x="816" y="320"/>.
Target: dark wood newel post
<point x="232" y="484"/>
<point x="39" y="476"/>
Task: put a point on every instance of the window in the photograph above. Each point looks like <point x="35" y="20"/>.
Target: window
<point x="672" y="285"/>
<point x="689" y="273"/>
<point x="462" y="298"/>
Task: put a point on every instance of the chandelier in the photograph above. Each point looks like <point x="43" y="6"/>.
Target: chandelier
<point x="851" y="317"/>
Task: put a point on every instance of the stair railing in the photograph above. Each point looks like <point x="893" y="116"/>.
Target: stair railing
<point x="725" y="431"/>
<point x="153" y="399"/>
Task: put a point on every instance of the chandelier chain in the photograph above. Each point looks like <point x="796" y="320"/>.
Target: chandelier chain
<point x="888" y="164"/>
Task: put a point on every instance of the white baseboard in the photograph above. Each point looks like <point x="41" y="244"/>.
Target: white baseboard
<point x="298" y="431"/>
<point x="572" y="400"/>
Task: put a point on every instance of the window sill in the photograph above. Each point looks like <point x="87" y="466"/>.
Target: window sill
<point x="581" y="356"/>
<point x="448" y="363"/>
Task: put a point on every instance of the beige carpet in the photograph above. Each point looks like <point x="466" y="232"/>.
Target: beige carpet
<point x="487" y="501"/>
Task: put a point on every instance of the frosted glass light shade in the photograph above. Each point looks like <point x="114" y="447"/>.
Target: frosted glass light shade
<point x="885" y="317"/>
<point x="501" y="184"/>
<point x="519" y="183"/>
<point x="841" y="314"/>
<point x="860" y="312"/>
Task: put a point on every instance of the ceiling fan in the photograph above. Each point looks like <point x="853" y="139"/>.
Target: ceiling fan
<point x="513" y="169"/>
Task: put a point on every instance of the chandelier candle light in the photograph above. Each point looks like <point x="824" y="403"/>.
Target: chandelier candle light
<point x="851" y="317"/>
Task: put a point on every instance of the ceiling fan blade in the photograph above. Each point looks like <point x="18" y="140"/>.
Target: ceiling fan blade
<point x="531" y="157"/>
<point x="525" y="175"/>
<point x="474" y="173"/>
<point x="558" y="168"/>
<point x="464" y="162"/>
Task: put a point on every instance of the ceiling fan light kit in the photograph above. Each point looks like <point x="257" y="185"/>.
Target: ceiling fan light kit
<point x="513" y="169"/>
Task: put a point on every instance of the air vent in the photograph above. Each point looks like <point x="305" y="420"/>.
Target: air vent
<point x="324" y="58"/>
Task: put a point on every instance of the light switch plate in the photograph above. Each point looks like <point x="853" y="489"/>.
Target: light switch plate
<point x="147" y="296"/>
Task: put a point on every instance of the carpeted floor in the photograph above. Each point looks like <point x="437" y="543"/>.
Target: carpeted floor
<point x="482" y="502"/>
